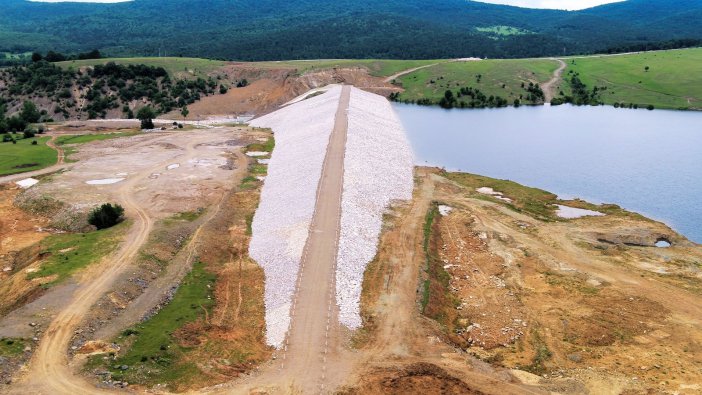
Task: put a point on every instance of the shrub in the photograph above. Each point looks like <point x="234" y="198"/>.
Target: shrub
<point x="34" y="142"/>
<point x="28" y="134"/>
<point x="106" y="216"/>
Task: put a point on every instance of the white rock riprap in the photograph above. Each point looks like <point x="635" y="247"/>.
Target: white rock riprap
<point x="281" y="224"/>
<point x="378" y="169"/>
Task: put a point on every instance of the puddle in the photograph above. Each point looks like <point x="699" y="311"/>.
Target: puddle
<point x="573" y="213"/>
<point x="104" y="181"/>
<point x="255" y="154"/>
<point x="173" y="166"/>
<point x="264" y="161"/>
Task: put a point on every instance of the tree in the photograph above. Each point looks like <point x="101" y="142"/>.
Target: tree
<point x="15" y="124"/>
<point x="29" y="112"/>
<point x="52" y="56"/>
<point x="146" y="116"/>
<point x="222" y="89"/>
<point x="36" y="57"/>
<point x="106" y="216"/>
<point x="184" y="111"/>
<point x="647" y="68"/>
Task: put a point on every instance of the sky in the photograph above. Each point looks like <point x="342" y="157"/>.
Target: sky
<point x="557" y="4"/>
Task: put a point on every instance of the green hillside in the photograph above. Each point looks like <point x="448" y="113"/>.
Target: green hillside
<point x="176" y="67"/>
<point x="508" y="79"/>
<point x="673" y="78"/>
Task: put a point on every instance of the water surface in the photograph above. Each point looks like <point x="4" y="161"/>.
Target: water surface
<point x="645" y="161"/>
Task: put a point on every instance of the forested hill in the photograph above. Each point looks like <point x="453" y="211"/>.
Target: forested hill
<point x="277" y="29"/>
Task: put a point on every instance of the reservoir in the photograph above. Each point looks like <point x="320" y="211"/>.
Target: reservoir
<point x="649" y="162"/>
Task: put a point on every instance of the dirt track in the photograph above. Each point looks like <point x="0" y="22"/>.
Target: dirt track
<point x="311" y="360"/>
<point x="550" y="86"/>
<point x="49" y="371"/>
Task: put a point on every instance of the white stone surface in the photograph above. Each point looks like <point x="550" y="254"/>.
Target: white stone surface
<point x="27" y="182"/>
<point x="281" y="223"/>
<point x="104" y="181"/>
<point x="572" y="212"/>
<point x="255" y="154"/>
<point x="445" y="210"/>
<point x="378" y="168"/>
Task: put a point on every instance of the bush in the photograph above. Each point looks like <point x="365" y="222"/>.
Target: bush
<point x="28" y="134"/>
<point x="7" y="138"/>
<point x="106" y="216"/>
<point x="34" y="142"/>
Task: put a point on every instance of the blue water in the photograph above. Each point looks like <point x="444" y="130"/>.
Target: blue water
<point x="649" y="162"/>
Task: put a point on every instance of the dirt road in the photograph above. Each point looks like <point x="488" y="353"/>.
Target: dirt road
<point x="404" y="72"/>
<point x="313" y="359"/>
<point x="49" y="371"/>
<point x="550" y="86"/>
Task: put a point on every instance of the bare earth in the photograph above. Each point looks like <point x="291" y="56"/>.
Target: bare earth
<point x="550" y="87"/>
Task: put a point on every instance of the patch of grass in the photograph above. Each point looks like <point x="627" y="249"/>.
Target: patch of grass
<point x="671" y="81"/>
<point x="437" y="301"/>
<point x="181" y="68"/>
<point x="249" y="182"/>
<point x="258" y="169"/>
<point x="428" y="223"/>
<point x="262" y="147"/>
<point x="10" y="347"/>
<point x="375" y="67"/>
<point x="532" y="201"/>
<point x="502" y="31"/>
<point x="152" y="354"/>
<point x="501" y="78"/>
<point x="189" y="216"/>
<point x="541" y="354"/>
<point x="69" y="252"/>
<point x="86" y="138"/>
<point x="23" y="156"/>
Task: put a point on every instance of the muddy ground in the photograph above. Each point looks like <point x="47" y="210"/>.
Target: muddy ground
<point x="574" y="306"/>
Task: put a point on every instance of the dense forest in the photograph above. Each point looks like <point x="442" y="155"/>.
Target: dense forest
<point x="276" y="29"/>
<point x="57" y="93"/>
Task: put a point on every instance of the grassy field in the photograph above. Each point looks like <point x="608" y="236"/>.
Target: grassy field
<point x="376" y="67"/>
<point x="153" y="355"/>
<point x="673" y="80"/>
<point x="176" y="67"/>
<point x="10" y="347"/>
<point x="86" y="138"/>
<point x="23" y="156"/>
<point x="69" y="252"/>
<point x="498" y="77"/>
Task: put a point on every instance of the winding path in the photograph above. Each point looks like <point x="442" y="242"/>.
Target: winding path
<point x="49" y="371"/>
<point x="550" y="86"/>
